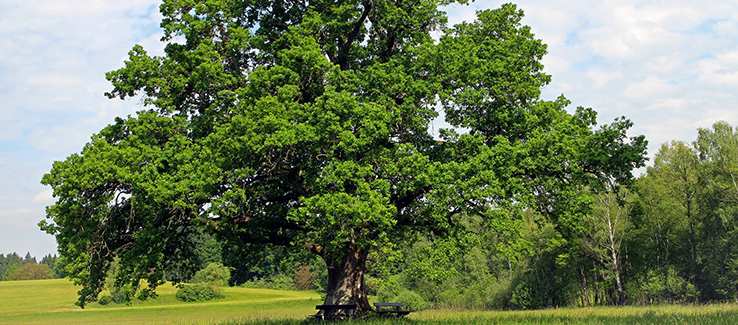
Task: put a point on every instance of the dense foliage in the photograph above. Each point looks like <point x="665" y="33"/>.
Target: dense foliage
<point x="304" y="128"/>
<point x="689" y="200"/>
<point x="197" y="293"/>
<point x="214" y="274"/>
<point x="668" y="237"/>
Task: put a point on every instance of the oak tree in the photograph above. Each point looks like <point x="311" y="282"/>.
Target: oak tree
<point x="304" y="126"/>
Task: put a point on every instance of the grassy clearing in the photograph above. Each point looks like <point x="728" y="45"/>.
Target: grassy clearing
<point x="52" y="301"/>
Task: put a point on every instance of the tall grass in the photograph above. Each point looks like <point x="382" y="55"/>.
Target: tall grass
<point x="708" y="314"/>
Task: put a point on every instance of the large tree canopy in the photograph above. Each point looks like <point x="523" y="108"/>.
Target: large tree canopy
<point x="305" y="125"/>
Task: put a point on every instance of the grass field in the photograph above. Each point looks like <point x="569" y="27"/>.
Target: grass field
<point x="52" y="302"/>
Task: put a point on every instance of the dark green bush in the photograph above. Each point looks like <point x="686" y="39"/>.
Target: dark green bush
<point x="199" y="292"/>
<point x="279" y="281"/>
<point x="122" y="295"/>
<point x="105" y="300"/>
<point x="392" y="292"/>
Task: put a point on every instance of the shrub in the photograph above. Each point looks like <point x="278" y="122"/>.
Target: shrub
<point x="392" y="292"/>
<point x="411" y="299"/>
<point x="278" y="281"/>
<point x="372" y="286"/>
<point x="664" y="286"/>
<point x="283" y="282"/>
<point x="105" y="300"/>
<point x="214" y="274"/>
<point x="521" y="297"/>
<point x="198" y="292"/>
<point x="122" y="295"/>
<point x="259" y="283"/>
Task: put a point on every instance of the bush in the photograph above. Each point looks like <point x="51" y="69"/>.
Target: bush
<point x="259" y="283"/>
<point x="391" y="291"/>
<point x="122" y="295"/>
<point x="279" y="281"/>
<point x="283" y="282"/>
<point x="664" y="286"/>
<point x="411" y="299"/>
<point x="214" y="274"/>
<point x="199" y="292"/>
<point x="105" y="300"/>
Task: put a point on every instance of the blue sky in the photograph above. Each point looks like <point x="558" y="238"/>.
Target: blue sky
<point x="669" y="66"/>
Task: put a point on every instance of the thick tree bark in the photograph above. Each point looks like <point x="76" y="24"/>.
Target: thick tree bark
<point x="346" y="283"/>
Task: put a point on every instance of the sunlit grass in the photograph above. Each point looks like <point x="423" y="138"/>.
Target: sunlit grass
<point x="52" y="302"/>
<point x="670" y="314"/>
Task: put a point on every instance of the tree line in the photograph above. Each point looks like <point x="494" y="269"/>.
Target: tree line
<point x="13" y="267"/>
<point x="687" y="220"/>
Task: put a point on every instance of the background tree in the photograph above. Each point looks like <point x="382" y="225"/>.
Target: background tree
<point x="683" y="240"/>
<point x="31" y="271"/>
<point x="663" y="231"/>
<point x="660" y="245"/>
<point x="607" y="225"/>
<point x="55" y="264"/>
<point x="304" y="128"/>
<point x="718" y="153"/>
<point x="677" y="165"/>
<point x="304" y="278"/>
<point x="9" y="263"/>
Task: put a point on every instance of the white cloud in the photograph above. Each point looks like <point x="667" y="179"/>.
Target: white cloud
<point x="602" y="78"/>
<point x="650" y="88"/>
<point x="670" y="67"/>
<point x="53" y="59"/>
<point x="21" y="218"/>
<point x="44" y="198"/>
<point x="727" y="28"/>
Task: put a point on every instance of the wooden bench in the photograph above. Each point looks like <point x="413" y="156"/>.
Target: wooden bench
<point x="348" y="311"/>
<point x="396" y="310"/>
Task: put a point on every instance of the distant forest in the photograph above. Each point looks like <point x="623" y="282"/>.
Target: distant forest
<point x="14" y="267"/>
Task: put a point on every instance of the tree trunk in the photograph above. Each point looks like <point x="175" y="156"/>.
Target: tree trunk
<point x="346" y="284"/>
<point x="585" y="288"/>
<point x="693" y="250"/>
<point x="619" y="288"/>
<point x="597" y="286"/>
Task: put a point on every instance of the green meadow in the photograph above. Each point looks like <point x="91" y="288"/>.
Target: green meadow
<point x="52" y="302"/>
